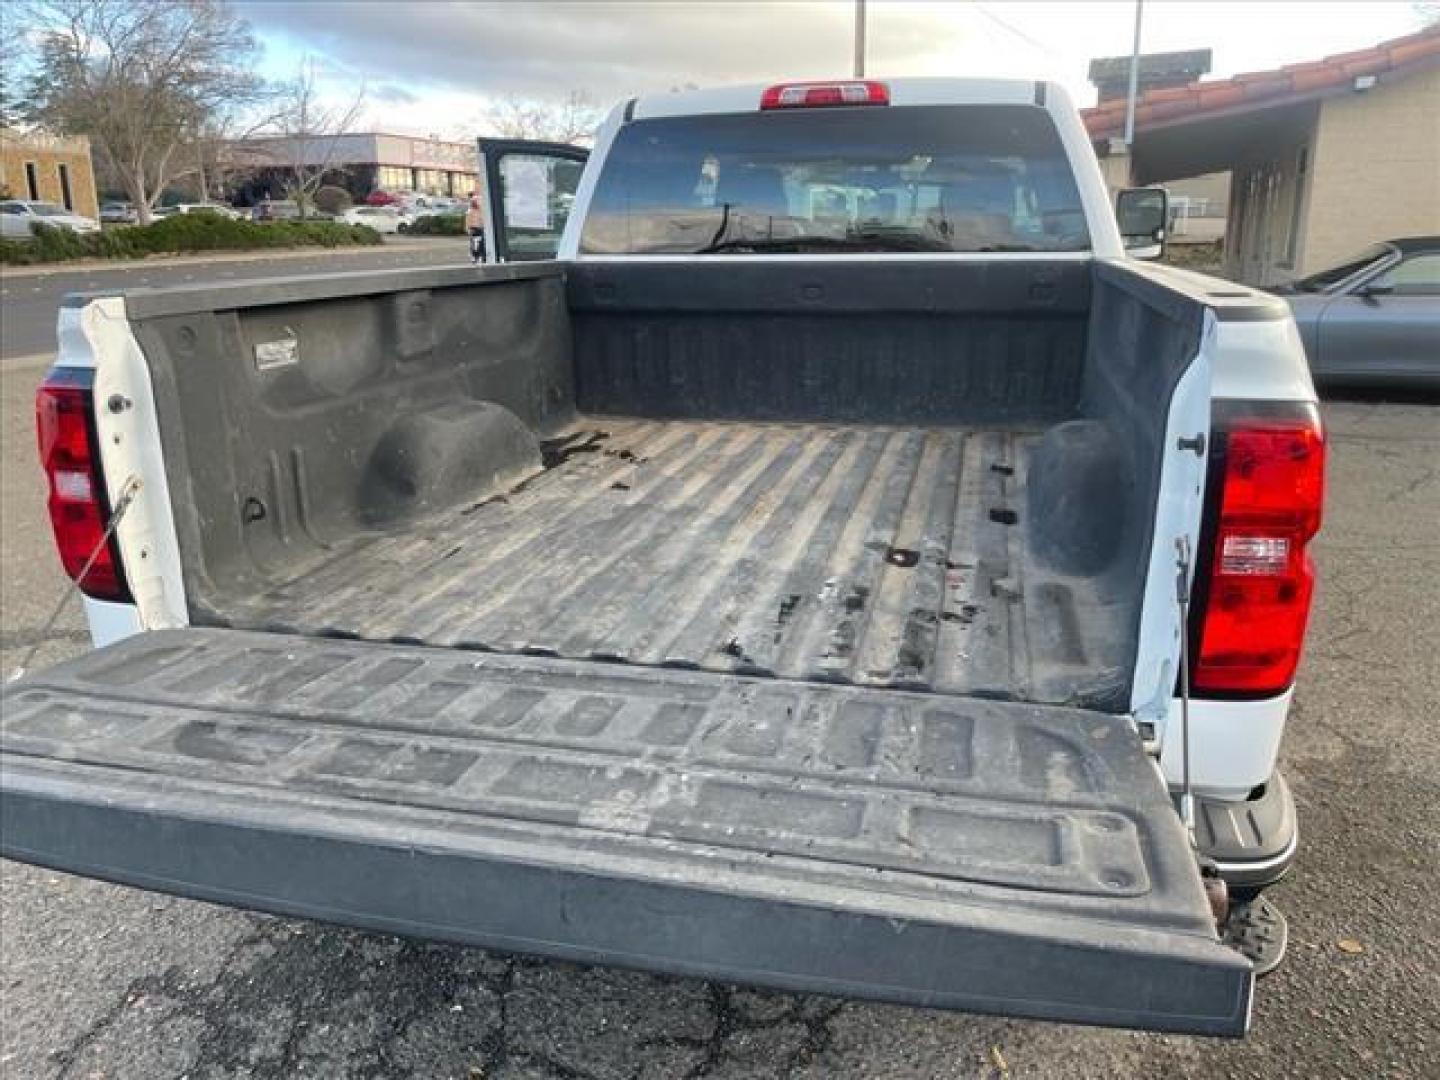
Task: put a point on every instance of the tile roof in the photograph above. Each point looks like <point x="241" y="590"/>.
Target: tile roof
<point x="1261" y="89"/>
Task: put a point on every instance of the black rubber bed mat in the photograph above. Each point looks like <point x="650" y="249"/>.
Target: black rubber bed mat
<point x="940" y="851"/>
<point x="864" y="555"/>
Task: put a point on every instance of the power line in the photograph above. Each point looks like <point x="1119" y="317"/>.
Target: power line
<point x="1021" y="34"/>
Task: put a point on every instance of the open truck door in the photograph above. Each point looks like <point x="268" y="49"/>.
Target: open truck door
<point x="529" y="190"/>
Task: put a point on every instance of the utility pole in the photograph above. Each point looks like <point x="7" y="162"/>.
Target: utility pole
<point x="1134" y="80"/>
<point x="859" y="39"/>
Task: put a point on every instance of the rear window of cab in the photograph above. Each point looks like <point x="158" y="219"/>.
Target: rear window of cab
<point x="941" y="178"/>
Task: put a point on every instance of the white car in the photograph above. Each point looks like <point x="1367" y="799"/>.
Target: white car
<point x="383" y="219"/>
<point x="18" y="215"/>
<point x="210" y="207"/>
<point x="118" y="213"/>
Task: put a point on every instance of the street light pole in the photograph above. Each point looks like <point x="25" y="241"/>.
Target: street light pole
<point x="1134" y="80"/>
<point x="859" y="39"/>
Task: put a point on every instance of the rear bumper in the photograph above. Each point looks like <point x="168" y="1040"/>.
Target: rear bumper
<point x="1234" y="745"/>
<point x="1252" y="843"/>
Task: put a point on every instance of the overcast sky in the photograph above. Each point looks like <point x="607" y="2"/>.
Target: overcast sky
<point x="431" y="67"/>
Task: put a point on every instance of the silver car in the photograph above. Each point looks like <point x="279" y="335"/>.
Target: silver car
<point x="1374" y="319"/>
<point x="18" y="215"/>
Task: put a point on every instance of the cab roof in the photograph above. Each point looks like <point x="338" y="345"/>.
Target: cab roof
<point x="903" y="91"/>
<point x="1411" y="245"/>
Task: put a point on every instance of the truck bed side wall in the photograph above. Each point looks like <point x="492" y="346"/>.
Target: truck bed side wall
<point x="296" y="415"/>
<point x="1094" y="481"/>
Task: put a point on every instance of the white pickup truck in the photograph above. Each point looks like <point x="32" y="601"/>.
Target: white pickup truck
<point x="833" y="563"/>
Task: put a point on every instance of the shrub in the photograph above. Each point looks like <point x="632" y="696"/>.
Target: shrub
<point x="199" y="231"/>
<point x="53" y="244"/>
<point x="1207" y="257"/>
<point x="333" y="199"/>
<point x="438" y="225"/>
<point x="16" y="253"/>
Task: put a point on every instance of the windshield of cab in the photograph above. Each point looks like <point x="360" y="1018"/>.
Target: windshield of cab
<point x="942" y="178"/>
<point x="41" y="209"/>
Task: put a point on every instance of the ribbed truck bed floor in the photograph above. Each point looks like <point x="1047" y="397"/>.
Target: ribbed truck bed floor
<point x="912" y="847"/>
<point x="874" y="556"/>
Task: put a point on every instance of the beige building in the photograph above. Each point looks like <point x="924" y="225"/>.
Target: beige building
<point x="48" y="168"/>
<point x="1325" y="158"/>
<point x="362" y="163"/>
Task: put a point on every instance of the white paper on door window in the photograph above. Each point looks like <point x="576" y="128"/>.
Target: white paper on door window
<point x="527" y="194"/>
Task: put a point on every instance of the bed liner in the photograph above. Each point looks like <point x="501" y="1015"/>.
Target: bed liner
<point x="867" y="555"/>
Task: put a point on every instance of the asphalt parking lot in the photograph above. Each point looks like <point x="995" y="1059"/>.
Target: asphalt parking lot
<point x="101" y="981"/>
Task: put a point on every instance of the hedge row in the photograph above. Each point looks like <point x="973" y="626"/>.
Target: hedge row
<point x="438" y="225"/>
<point x="181" y="233"/>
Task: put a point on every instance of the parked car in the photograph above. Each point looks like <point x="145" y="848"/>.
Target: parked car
<point x="899" y="599"/>
<point x="1374" y="319"/>
<point x="18" y="215"/>
<point x="118" y="213"/>
<point x="278" y="210"/>
<point x="383" y="219"/>
<point x="419" y="205"/>
<point x="439" y="204"/>
<point x="207" y="207"/>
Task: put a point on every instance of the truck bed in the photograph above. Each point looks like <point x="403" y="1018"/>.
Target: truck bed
<point x="865" y="555"/>
<point x="933" y="476"/>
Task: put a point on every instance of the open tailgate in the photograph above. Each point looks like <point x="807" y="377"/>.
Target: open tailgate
<point x="938" y="851"/>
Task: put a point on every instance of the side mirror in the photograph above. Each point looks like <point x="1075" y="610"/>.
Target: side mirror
<point x="1373" y="291"/>
<point x="1143" y="214"/>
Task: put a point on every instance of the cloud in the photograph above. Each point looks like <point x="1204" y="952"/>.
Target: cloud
<point x="544" y="50"/>
<point x="456" y="58"/>
<point x="391" y="94"/>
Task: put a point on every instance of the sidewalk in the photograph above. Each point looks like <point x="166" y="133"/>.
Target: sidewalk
<point x="210" y="258"/>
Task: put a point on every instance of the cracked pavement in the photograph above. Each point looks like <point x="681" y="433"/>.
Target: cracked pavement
<point x="98" y="981"/>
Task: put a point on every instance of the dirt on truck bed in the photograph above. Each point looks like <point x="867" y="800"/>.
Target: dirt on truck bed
<point x="854" y="554"/>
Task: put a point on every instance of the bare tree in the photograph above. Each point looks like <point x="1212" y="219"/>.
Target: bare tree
<point x="11" y="41"/>
<point x="310" y="133"/>
<point x="571" y="121"/>
<point x="212" y="150"/>
<point x="140" y="78"/>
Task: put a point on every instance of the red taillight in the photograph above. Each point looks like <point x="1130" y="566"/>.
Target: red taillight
<point x="78" y="505"/>
<point x="1257" y="597"/>
<point x="811" y="95"/>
